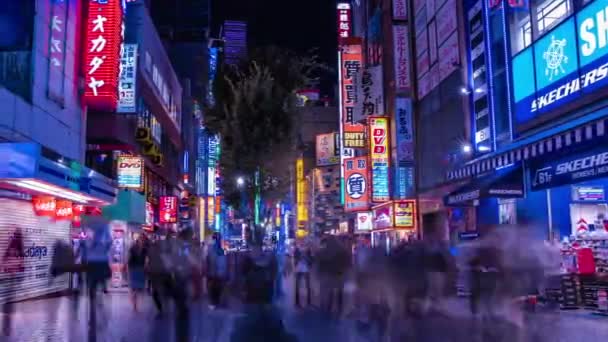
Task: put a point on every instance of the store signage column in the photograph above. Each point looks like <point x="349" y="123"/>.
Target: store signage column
<point x="103" y="29"/>
<point x="379" y="158"/>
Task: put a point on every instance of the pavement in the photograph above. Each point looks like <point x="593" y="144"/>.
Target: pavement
<point x="59" y="319"/>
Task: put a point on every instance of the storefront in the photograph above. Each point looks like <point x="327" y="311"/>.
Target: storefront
<point x="40" y="193"/>
<point x="394" y="222"/>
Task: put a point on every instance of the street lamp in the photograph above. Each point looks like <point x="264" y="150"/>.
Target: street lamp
<point x="466" y="148"/>
<point x="240" y="181"/>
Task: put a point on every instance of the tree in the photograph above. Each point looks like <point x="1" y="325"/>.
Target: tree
<point x="255" y="113"/>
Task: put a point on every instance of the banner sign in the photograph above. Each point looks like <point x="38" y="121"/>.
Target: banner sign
<point x="44" y="205"/>
<point x="357" y="189"/>
<point x="57" y="53"/>
<point x="399" y="9"/>
<point x="404" y="182"/>
<point x="130" y="172"/>
<point x="344" y="20"/>
<point x="351" y="66"/>
<point x="326" y="151"/>
<point x="569" y="170"/>
<point x="371" y="94"/>
<point x="404" y="130"/>
<point x="128" y="75"/>
<point x="566" y="64"/>
<point x="167" y="208"/>
<point x="364" y="222"/>
<point x="301" y="192"/>
<point x="383" y="216"/>
<point x="103" y="32"/>
<point x="401" y="49"/>
<point x="379" y="157"/>
<point x="405" y="214"/>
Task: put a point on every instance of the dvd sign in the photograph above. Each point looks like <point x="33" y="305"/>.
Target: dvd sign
<point x="130" y="171"/>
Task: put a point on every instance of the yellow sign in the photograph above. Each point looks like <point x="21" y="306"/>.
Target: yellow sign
<point x="302" y="210"/>
<point x="405" y="214"/>
<point x="201" y="218"/>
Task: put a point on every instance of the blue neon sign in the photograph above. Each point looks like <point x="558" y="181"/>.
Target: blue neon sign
<point x="568" y="62"/>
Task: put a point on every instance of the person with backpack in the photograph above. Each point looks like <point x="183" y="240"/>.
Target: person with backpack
<point x="217" y="271"/>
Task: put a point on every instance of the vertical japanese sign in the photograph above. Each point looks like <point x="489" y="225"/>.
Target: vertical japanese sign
<point x="128" y="75"/>
<point x="213" y="60"/>
<point x="351" y="66"/>
<point x="400" y="9"/>
<point x="345" y="28"/>
<point x="302" y="210"/>
<point x="404" y="130"/>
<point x="379" y="158"/>
<point x="57" y="40"/>
<point x="167" y="208"/>
<point x="401" y="47"/>
<point x="103" y="32"/>
<point x="326" y="151"/>
<point x="357" y="188"/>
<point x="370" y="93"/>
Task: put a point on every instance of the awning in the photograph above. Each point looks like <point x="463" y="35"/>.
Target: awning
<point x="502" y="183"/>
<point x="30" y="168"/>
<point x="568" y="136"/>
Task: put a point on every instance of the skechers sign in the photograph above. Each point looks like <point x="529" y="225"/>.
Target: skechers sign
<point x="566" y="64"/>
<point x="574" y="169"/>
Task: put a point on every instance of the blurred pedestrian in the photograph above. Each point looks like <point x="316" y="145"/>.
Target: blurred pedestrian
<point x="217" y="271"/>
<point x="158" y="270"/>
<point x="333" y="262"/>
<point x="303" y="263"/>
<point x="138" y="255"/>
<point x="13" y="264"/>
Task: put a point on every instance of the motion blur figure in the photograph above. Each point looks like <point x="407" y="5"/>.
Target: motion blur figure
<point x="12" y="262"/>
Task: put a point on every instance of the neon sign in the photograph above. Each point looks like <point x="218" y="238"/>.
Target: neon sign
<point x="379" y="144"/>
<point x="102" y="54"/>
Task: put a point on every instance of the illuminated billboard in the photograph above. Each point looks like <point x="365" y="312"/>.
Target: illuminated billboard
<point x="356" y="182"/>
<point x="344" y="20"/>
<point x="128" y="75"/>
<point x="327" y="149"/>
<point x="351" y="59"/>
<point x="405" y="214"/>
<point x="379" y="158"/>
<point x="103" y="40"/>
<point x="302" y="210"/>
<point x="568" y="63"/>
<point x="167" y="209"/>
<point x="130" y="172"/>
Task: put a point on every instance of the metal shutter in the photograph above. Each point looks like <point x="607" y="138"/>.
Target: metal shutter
<point x="39" y="235"/>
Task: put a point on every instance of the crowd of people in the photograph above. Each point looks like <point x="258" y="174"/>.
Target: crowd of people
<point x="343" y="278"/>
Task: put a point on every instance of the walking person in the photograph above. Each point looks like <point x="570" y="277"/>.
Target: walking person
<point x="217" y="271"/>
<point x="138" y="255"/>
<point x="303" y="263"/>
<point x="13" y="264"/>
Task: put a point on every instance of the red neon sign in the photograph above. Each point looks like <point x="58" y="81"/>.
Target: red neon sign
<point x="167" y="209"/>
<point x="44" y="205"/>
<point x="63" y="210"/>
<point x="102" y="53"/>
<point x="344" y="21"/>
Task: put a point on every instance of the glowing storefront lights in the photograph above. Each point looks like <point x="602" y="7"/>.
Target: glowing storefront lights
<point x="42" y="187"/>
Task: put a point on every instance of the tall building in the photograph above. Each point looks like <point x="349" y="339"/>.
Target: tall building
<point x="538" y="121"/>
<point x="44" y="185"/>
<point x="234" y="34"/>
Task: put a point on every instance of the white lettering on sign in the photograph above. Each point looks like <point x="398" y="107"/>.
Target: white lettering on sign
<point x="594" y="32"/>
<point x="570" y="88"/>
<point x="505" y="192"/>
<point x="582" y="163"/>
<point x="467" y="196"/>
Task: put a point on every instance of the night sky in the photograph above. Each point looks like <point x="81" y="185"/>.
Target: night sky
<point x="297" y="25"/>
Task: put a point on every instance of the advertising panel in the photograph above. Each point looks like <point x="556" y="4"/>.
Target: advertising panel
<point x="432" y="42"/>
<point x="326" y="151"/>
<point x="57" y="39"/>
<point x="364" y="222"/>
<point x="149" y="214"/>
<point x="167" y="209"/>
<point x="102" y="54"/>
<point x="301" y="192"/>
<point x="371" y="93"/>
<point x="355" y="138"/>
<point x="401" y="54"/>
<point x="210" y="211"/>
<point x="448" y="21"/>
<point x="405" y="214"/>
<point x="404" y="130"/>
<point x="128" y="75"/>
<point x="211" y="181"/>
<point x="383" y="216"/>
<point x="344" y="20"/>
<point x="422" y="42"/>
<point x="351" y="66"/>
<point x="356" y="183"/>
<point x="567" y="63"/>
<point x="379" y="158"/>
<point x="404" y="182"/>
<point x="130" y="172"/>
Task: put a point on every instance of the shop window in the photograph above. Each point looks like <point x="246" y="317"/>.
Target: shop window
<point x="521" y="31"/>
<point x="552" y="12"/>
<point x="507" y="213"/>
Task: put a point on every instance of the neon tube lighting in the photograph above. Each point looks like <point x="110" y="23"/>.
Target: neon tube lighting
<point x="52" y="190"/>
